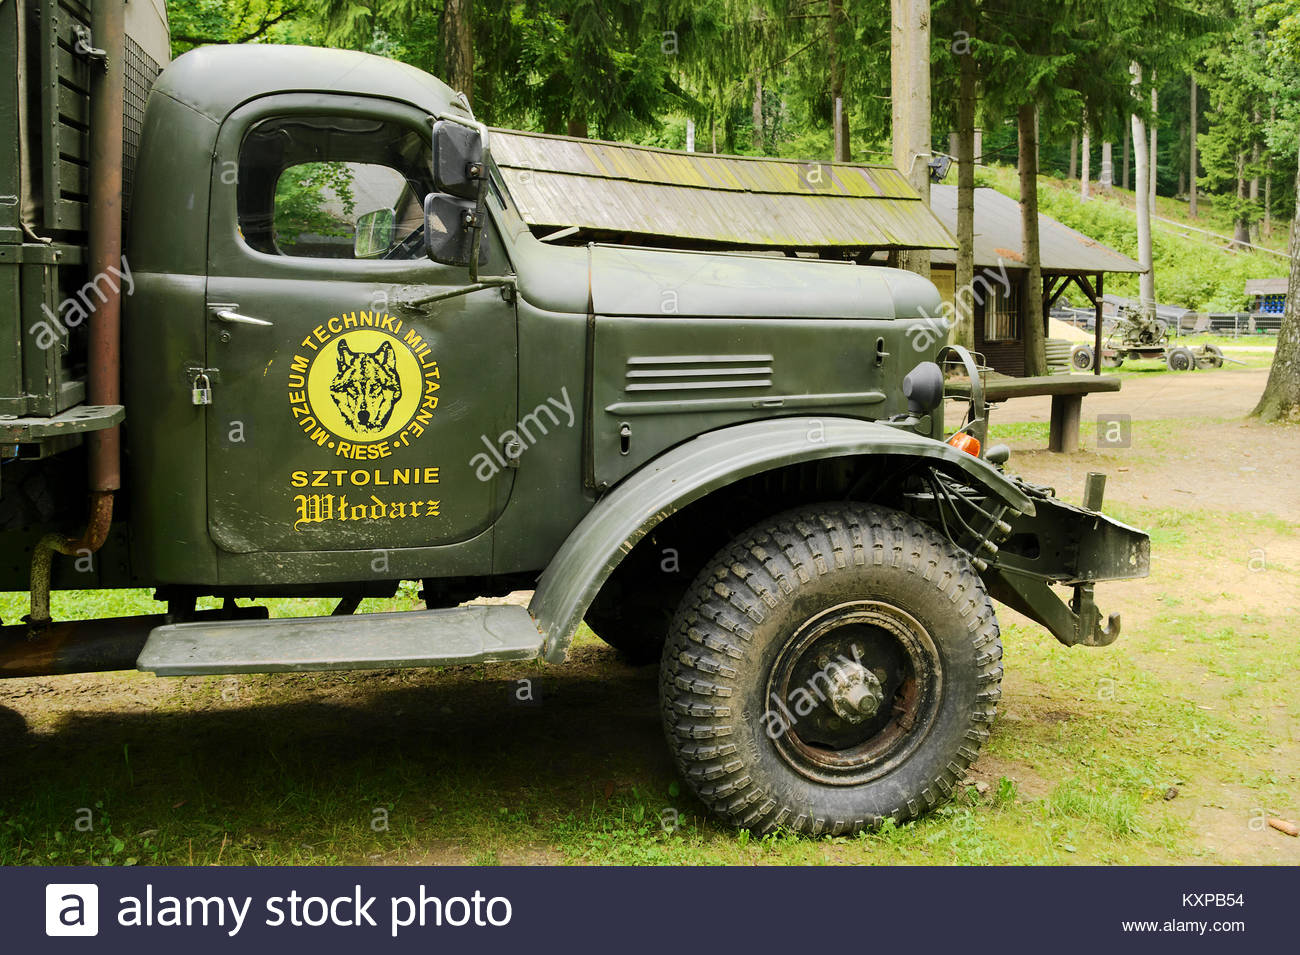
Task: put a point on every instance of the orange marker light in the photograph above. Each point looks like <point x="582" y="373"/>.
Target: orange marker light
<point x="965" y="442"/>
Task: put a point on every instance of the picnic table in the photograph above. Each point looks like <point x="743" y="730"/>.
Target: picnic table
<point x="1066" y="391"/>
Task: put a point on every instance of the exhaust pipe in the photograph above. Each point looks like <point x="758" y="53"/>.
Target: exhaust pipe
<point x="104" y="387"/>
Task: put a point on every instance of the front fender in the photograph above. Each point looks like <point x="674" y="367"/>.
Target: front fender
<point x="697" y="467"/>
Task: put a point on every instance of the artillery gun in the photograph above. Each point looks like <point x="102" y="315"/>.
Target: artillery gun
<point x="1136" y="335"/>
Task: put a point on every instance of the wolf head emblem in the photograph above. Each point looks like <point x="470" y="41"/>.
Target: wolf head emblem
<point x="366" y="386"/>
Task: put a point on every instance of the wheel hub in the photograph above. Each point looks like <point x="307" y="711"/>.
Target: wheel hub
<point x="855" y="694"/>
<point x="852" y="692"/>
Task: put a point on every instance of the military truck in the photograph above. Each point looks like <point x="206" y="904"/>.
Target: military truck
<point x="274" y="327"/>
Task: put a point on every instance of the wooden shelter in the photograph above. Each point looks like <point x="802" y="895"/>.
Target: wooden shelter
<point x="1069" y="258"/>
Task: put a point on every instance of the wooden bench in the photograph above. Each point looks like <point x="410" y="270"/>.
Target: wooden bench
<point x="1066" y="391"/>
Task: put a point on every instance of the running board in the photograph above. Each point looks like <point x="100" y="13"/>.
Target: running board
<point x="371" y="641"/>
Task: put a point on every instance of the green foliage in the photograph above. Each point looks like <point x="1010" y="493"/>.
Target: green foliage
<point x="313" y="198"/>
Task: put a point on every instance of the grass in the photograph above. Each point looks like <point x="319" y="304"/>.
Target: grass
<point x="418" y="766"/>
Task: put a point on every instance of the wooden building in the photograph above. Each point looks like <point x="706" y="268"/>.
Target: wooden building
<point x="1069" y="258"/>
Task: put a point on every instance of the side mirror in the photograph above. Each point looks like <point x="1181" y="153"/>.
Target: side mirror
<point x="458" y="167"/>
<point x="449" y="228"/>
<point x="374" y="234"/>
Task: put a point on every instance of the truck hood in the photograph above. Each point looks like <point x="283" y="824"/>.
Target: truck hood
<point x="658" y="282"/>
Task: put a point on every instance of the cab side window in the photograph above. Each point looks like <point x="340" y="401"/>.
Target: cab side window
<point x="333" y="187"/>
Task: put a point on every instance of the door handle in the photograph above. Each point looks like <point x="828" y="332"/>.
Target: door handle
<point x="226" y="314"/>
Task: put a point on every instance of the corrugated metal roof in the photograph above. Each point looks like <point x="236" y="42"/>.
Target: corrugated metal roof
<point x="732" y="200"/>
<point x="1266" y="286"/>
<point x="999" y="237"/>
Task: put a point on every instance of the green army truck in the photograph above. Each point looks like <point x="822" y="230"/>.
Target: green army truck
<point x="274" y="326"/>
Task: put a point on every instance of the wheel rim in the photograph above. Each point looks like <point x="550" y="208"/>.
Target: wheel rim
<point x="853" y="691"/>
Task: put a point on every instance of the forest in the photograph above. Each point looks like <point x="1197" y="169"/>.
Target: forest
<point x="1220" y="77"/>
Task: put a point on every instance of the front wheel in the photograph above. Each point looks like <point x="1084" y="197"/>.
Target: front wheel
<point x="833" y="666"/>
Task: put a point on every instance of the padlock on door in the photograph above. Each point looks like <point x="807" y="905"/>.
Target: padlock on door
<point x="201" y="393"/>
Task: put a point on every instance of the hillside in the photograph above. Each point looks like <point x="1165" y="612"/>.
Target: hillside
<point x="1192" y="269"/>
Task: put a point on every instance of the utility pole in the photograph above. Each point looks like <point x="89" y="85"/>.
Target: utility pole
<point x="910" y="74"/>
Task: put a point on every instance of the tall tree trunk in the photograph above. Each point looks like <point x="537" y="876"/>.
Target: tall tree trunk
<point x="758" y="111"/>
<point x="1085" y="179"/>
<point x="577" y="127"/>
<point x="1254" y="183"/>
<point x="1126" y="180"/>
<point x="910" y="73"/>
<point x="1268" y="206"/>
<point x="1141" y="186"/>
<point x="1281" y="398"/>
<point x="1031" y="303"/>
<point x="964" y="334"/>
<point x="839" y="110"/>
<point x="1107" y="167"/>
<point x="1193" y="159"/>
<point x="1074" y="157"/>
<point x="1241" y="225"/>
<point x="1268" y="179"/>
<point x="458" y="47"/>
<point x="1152" y="165"/>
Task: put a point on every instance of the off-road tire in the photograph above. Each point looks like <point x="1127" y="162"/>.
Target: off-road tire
<point x="763" y="589"/>
<point x="1081" y="358"/>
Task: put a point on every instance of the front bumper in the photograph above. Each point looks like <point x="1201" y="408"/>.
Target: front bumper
<point x="1061" y="544"/>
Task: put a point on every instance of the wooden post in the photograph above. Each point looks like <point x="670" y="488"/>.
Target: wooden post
<point x="1097" y="309"/>
<point x="910" y="74"/>
<point x="840" y="134"/>
<point x="964" y="278"/>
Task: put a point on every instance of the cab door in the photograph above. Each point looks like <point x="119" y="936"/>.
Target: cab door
<point x="353" y="382"/>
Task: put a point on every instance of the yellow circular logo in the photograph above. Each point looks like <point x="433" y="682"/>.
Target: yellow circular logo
<point x="362" y="385"/>
<point x="355" y="386"/>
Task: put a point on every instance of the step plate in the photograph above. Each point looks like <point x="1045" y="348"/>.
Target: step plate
<point x="420" y="638"/>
